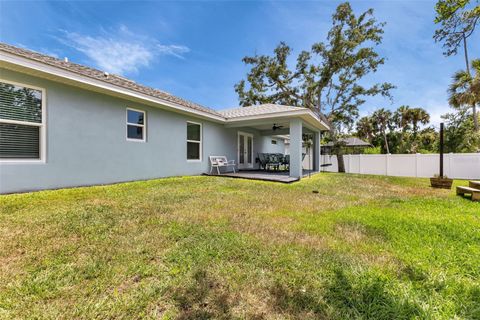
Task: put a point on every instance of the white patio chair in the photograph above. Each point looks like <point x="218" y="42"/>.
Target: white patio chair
<point x="221" y="161"/>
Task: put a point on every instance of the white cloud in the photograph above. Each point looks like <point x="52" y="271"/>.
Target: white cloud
<point x="122" y="51"/>
<point x="174" y="50"/>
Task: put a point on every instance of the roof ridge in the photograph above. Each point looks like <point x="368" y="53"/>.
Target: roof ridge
<point x="104" y="76"/>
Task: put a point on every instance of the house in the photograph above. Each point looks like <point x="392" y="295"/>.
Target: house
<point x="63" y="124"/>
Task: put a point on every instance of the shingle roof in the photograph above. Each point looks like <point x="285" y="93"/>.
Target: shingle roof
<point x="257" y="110"/>
<point x="102" y="76"/>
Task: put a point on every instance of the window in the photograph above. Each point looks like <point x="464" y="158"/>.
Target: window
<point x="136" y="125"/>
<point x="22" y="122"/>
<point x="274" y="141"/>
<point x="194" y="141"/>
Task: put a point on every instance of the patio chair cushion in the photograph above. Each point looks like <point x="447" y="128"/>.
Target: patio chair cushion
<point x="273" y="159"/>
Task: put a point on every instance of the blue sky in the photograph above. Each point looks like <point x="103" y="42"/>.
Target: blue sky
<point x="194" y="49"/>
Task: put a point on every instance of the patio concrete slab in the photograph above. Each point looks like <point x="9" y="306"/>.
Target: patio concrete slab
<point x="273" y="176"/>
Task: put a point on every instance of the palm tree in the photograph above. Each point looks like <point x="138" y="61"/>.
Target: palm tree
<point x="365" y="129"/>
<point x="402" y="118"/>
<point x="418" y="116"/>
<point x="465" y="90"/>
<point x="382" y="120"/>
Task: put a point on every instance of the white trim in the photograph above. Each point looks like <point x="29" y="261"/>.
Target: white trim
<point x="143" y="126"/>
<point x="308" y="115"/>
<point x="59" y="72"/>
<point x="25" y="123"/>
<point x="43" y="126"/>
<point x="200" y="142"/>
<point x="245" y="165"/>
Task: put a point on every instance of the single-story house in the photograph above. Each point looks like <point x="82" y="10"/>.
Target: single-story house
<point x="63" y="124"/>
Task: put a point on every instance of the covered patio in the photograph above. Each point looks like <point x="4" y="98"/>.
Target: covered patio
<point x="302" y="127"/>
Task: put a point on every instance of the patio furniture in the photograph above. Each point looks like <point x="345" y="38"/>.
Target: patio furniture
<point x="274" y="161"/>
<point x="468" y="190"/>
<point x="263" y="159"/>
<point x="286" y="161"/>
<point x="221" y="162"/>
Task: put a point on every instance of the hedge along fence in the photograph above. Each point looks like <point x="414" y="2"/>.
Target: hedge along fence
<point x="456" y="165"/>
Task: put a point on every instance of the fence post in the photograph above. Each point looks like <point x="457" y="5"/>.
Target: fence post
<point x="417" y="155"/>
<point x="387" y="164"/>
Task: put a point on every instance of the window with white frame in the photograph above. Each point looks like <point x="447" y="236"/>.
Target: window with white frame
<point x="136" y="125"/>
<point x="22" y="122"/>
<point x="194" y="141"/>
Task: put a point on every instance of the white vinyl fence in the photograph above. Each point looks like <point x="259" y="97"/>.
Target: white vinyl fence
<point x="455" y="165"/>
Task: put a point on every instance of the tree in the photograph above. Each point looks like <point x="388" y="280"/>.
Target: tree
<point x="365" y="129"/>
<point x="402" y="118"/>
<point x="427" y="139"/>
<point x="382" y="120"/>
<point x="459" y="133"/>
<point x="398" y="132"/>
<point x="465" y="91"/>
<point x="458" y="19"/>
<point x="327" y="78"/>
<point x="418" y="116"/>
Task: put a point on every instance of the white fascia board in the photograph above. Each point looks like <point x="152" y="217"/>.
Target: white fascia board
<point x="72" y="76"/>
<point x="305" y="114"/>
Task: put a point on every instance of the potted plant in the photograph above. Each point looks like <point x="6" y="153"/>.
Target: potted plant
<point x="441" y="182"/>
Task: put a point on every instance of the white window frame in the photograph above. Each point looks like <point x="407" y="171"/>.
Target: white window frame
<point x="200" y="142"/>
<point x="42" y="125"/>
<point x="144" y="125"/>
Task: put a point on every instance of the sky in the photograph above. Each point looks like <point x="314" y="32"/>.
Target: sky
<point x="194" y="49"/>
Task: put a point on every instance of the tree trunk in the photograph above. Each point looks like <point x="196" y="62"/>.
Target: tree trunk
<point x="340" y="161"/>
<point x="474" y="107"/>
<point x="386" y="142"/>
<point x="466" y="53"/>
<point x="338" y="151"/>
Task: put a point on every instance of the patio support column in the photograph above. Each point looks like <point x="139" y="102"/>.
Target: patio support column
<point x="296" y="148"/>
<point x="316" y="151"/>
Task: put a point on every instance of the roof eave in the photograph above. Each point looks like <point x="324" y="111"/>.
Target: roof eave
<point x="306" y="114"/>
<point x="72" y="77"/>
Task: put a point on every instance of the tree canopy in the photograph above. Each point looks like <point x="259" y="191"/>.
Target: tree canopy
<point x="458" y="20"/>
<point x="398" y="131"/>
<point x="327" y="78"/>
<point x="465" y="91"/>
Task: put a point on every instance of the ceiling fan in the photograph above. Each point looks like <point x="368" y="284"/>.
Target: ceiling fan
<point x="275" y="127"/>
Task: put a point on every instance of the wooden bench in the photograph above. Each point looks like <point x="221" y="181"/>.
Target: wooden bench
<point x="474" y="184"/>
<point x="468" y="190"/>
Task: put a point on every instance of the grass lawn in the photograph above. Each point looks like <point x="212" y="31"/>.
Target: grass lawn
<point x="364" y="247"/>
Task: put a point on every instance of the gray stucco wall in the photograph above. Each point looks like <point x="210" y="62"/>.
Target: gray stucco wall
<point x="86" y="142"/>
<point x="268" y="147"/>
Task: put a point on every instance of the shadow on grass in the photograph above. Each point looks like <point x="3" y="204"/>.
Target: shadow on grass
<point x="344" y="298"/>
<point x="204" y="298"/>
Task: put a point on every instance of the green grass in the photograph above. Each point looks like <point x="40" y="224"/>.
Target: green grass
<point x="364" y="247"/>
